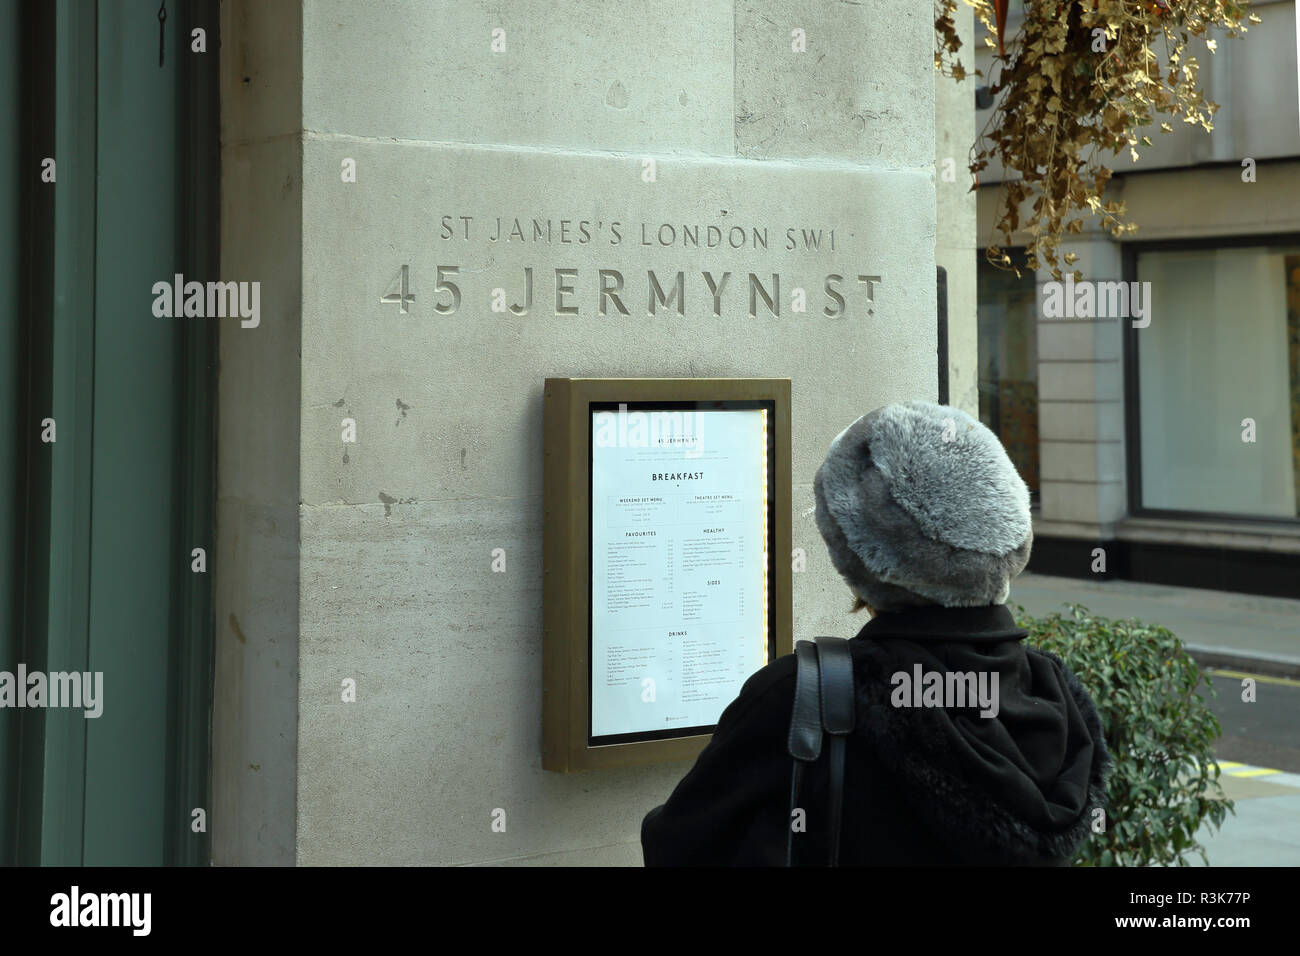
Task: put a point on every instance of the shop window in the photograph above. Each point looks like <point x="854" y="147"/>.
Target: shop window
<point x="1008" y="363"/>
<point x="1218" y="381"/>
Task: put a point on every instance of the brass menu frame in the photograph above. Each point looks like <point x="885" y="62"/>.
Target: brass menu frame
<point x="566" y="603"/>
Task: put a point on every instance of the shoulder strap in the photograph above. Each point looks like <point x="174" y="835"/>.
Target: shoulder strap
<point x="837" y="718"/>
<point x="805" y="740"/>
<point x="804" y="743"/>
<point x="823" y="702"/>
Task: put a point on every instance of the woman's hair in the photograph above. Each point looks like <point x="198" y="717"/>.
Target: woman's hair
<point x="858" y="605"/>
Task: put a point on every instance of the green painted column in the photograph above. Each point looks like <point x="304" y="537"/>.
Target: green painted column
<point x="133" y="551"/>
<point x="97" y="527"/>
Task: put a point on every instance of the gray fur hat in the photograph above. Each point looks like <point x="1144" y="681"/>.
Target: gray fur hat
<point x="920" y="505"/>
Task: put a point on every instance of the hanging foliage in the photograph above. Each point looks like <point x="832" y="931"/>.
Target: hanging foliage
<point x="1079" y="83"/>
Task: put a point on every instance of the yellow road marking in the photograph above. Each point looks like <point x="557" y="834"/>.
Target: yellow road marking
<point x="1259" y="678"/>
<point x="1256" y="772"/>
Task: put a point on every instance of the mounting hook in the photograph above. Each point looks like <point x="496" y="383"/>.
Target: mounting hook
<point x="162" y="31"/>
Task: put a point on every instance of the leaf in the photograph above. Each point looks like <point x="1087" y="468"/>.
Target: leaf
<point x="1061" y="108"/>
<point x="1159" y="730"/>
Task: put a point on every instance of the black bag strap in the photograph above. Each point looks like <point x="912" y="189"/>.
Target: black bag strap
<point x="823" y="703"/>
<point x="804" y="743"/>
<point x="837" y="719"/>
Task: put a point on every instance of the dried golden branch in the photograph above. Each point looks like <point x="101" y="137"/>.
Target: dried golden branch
<point x="1081" y="78"/>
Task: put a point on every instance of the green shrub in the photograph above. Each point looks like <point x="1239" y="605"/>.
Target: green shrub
<point x="1165" y="781"/>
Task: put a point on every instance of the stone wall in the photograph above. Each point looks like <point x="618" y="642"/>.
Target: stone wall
<point x="627" y="140"/>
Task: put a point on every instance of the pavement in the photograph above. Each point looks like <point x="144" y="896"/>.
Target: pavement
<point x="1235" y="637"/>
<point x="1265" y="830"/>
<point x="1220" y="628"/>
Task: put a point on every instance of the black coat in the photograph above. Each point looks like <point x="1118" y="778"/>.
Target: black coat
<point x="923" y="785"/>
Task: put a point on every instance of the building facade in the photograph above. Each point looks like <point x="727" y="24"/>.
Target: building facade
<point x="313" y="262"/>
<point x="1163" y="444"/>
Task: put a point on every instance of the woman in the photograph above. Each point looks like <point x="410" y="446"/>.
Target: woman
<point x="969" y="747"/>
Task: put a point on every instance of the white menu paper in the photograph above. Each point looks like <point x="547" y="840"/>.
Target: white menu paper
<point x="679" y="565"/>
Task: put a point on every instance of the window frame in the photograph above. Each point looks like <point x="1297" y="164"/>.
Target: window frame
<point x="1130" y="359"/>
